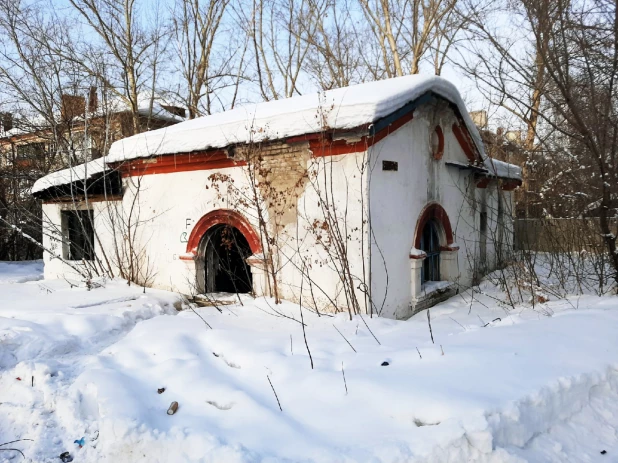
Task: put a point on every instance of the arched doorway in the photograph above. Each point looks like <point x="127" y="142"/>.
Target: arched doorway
<point x="220" y="243"/>
<point x="430" y="245"/>
<point x="224" y="250"/>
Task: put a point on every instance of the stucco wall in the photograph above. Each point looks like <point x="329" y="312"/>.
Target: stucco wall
<point x="397" y="199"/>
<point x="171" y="204"/>
<point x="56" y="263"/>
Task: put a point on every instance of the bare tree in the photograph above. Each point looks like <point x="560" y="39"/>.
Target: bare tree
<point x="405" y="30"/>
<point x="205" y="53"/>
<point x="558" y="71"/>
<point x="126" y="59"/>
<point x="278" y="31"/>
<point x="335" y="58"/>
<point x="33" y="80"/>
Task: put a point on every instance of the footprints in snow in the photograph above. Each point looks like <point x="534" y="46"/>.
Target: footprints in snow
<point x="217" y="404"/>
<point x="220" y="406"/>
<point x="229" y="364"/>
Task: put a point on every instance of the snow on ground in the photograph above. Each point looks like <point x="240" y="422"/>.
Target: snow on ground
<point x="19" y="272"/>
<point x="500" y="384"/>
<point x="50" y="331"/>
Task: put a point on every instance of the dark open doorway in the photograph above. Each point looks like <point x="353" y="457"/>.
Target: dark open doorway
<point x="224" y="250"/>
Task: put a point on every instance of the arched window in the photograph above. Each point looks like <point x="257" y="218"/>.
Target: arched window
<point x="430" y="245"/>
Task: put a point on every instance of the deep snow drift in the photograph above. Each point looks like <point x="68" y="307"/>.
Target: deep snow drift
<point x="499" y="384"/>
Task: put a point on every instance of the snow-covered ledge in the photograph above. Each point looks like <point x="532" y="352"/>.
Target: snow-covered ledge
<point x="431" y="292"/>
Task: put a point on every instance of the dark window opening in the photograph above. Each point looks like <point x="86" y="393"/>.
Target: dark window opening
<point x="483" y="223"/>
<point x="390" y="165"/>
<point x="225" y="266"/>
<point x="430" y="245"/>
<point x="80" y="234"/>
<point x="483" y="240"/>
<point x="31" y="151"/>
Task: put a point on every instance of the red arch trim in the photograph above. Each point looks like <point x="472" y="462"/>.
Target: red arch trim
<point x="436" y="212"/>
<point x="228" y="217"/>
<point x="465" y="141"/>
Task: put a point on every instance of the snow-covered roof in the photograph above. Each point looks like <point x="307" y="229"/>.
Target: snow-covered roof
<point x="159" y="112"/>
<point x="502" y="169"/>
<point x="80" y="172"/>
<point x="338" y="109"/>
<point x="30" y="124"/>
<point x="23" y="125"/>
<point x="144" y="103"/>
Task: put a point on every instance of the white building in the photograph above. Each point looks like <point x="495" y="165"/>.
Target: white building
<point x="377" y="197"/>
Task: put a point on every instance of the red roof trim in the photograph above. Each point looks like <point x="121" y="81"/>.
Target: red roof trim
<point x="321" y="144"/>
<point x="207" y="160"/>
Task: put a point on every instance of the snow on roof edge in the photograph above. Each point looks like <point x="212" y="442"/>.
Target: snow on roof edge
<point x="502" y="169"/>
<point x="38" y="123"/>
<point x="79" y="172"/>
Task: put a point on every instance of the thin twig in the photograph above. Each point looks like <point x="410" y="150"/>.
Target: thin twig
<point x="458" y="323"/>
<point x="419" y="353"/>
<point x="346" y="340"/>
<point x="305" y="338"/>
<point x="212" y="302"/>
<point x="274" y="392"/>
<point x="18" y="440"/>
<point x="374" y="336"/>
<point x="302" y="324"/>
<point x="202" y="318"/>
<point x="14" y="450"/>
<point x="429" y="322"/>
<point x="344" y="381"/>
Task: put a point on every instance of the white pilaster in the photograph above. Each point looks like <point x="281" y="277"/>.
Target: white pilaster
<point x="448" y="265"/>
<point x="416" y="265"/>
<point x="259" y="275"/>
